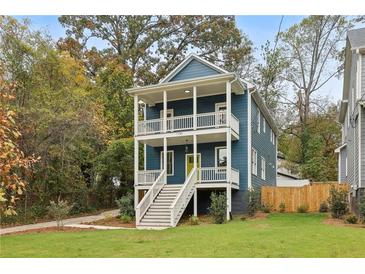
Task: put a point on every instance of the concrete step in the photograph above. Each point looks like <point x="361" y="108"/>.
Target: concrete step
<point x="154" y="221"/>
<point x="156" y="218"/>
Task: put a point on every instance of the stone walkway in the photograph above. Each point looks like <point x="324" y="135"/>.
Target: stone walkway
<point x="67" y="222"/>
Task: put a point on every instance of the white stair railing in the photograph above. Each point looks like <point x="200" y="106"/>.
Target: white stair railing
<point x="150" y="196"/>
<point x="183" y="198"/>
<point x="148" y="177"/>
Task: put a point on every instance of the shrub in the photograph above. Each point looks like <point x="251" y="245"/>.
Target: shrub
<point x="194" y="220"/>
<point x="218" y="207"/>
<point x="303" y="208"/>
<point x="282" y="207"/>
<point x="59" y="210"/>
<point x="351" y="219"/>
<point x="125" y="204"/>
<point x="266" y="208"/>
<point x="338" y="203"/>
<point x="362" y="208"/>
<point x="253" y="201"/>
<point x="126" y="219"/>
<point x="323" y="207"/>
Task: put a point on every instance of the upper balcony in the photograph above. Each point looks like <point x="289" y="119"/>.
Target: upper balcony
<point x="208" y="120"/>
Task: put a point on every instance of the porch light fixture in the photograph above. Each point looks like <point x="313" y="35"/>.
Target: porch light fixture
<point x="186" y="146"/>
<point x="187" y="91"/>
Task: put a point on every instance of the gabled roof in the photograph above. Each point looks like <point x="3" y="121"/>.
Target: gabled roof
<point x="213" y="69"/>
<point x="357" y="38"/>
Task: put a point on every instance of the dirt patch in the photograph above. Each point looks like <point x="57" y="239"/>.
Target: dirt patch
<point x="259" y="216"/>
<point x="112" y="221"/>
<point x="49" y="230"/>
<point x="340" y="222"/>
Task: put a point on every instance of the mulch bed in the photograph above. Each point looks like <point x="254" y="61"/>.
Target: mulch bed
<point x="49" y="230"/>
<point x="113" y="221"/>
<point x="341" y="222"/>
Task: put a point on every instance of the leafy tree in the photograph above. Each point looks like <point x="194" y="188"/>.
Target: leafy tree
<point x="151" y="46"/>
<point x="314" y="57"/>
<point x="324" y="135"/>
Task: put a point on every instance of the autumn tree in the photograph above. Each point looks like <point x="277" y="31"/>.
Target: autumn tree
<point x="13" y="164"/>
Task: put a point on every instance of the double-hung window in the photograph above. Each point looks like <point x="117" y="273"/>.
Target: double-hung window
<point x="170" y="162"/>
<point x="263" y="168"/>
<point x="254" y="161"/>
<point x="220" y="157"/>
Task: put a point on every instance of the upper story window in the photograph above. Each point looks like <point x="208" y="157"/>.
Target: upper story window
<point x="170" y="162"/>
<point x="254" y="161"/>
<point x="272" y="137"/>
<point x="258" y="121"/>
<point x="263" y="168"/>
<point x="220" y="156"/>
<point x="264" y="125"/>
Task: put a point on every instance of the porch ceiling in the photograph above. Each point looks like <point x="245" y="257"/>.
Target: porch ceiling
<point x="206" y="86"/>
<point x="188" y="139"/>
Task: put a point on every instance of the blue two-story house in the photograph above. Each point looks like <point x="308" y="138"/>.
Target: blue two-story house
<point x="203" y="129"/>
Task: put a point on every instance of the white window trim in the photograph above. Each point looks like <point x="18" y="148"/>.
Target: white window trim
<point x="169" y="110"/>
<point x="264" y="125"/>
<point x="345" y="166"/>
<point x="173" y="162"/>
<point x="216" y="154"/>
<point x="258" y="121"/>
<point x="263" y="168"/>
<point x="218" y="105"/>
<point x="254" y="163"/>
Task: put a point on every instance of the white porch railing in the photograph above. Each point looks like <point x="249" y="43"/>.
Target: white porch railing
<point x="217" y="174"/>
<point x="235" y="176"/>
<point x="150" y="196"/>
<point x="186" y="122"/>
<point x="235" y="124"/>
<point x="148" y="177"/>
<point x="183" y="198"/>
<point x="150" y="126"/>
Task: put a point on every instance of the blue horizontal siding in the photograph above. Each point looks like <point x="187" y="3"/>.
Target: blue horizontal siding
<point x="264" y="147"/>
<point x="194" y="69"/>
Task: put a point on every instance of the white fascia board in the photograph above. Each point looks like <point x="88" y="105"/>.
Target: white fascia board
<point x="337" y="150"/>
<point x="186" y="61"/>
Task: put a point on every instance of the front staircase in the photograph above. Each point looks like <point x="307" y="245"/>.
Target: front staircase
<point x="163" y="204"/>
<point x="159" y="213"/>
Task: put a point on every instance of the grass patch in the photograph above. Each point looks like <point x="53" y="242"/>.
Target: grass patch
<point x="279" y="235"/>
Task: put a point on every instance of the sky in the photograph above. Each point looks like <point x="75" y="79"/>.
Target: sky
<point x="259" y="29"/>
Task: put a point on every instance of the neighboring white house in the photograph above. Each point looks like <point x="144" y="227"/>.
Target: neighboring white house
<point x="285" y="177"/>
<point x="351" y="153"/>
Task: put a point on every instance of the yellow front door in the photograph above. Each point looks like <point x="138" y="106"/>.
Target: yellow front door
<point x="190" y="163"/>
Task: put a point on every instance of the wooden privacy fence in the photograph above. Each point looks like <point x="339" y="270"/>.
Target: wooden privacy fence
<point x="293" y="197"/>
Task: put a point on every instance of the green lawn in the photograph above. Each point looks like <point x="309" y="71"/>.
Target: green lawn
<point x="280" y="235"/>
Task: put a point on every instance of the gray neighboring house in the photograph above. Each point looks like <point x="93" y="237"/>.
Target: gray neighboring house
<point x="285" y="177"/>
<point x="351" y="153"/>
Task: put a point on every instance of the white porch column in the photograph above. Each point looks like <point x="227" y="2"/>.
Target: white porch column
<point x="135" y="115"/>
<point x="164" y="111"/>
<point x="194" y="107"/>
<point x="136" y="164"/>
<point x="229" y="149"/>
<point x="195" y="151"/>
<point x="228" y="99"/>
<point x="165" y="156"/>
<point x="136" y="159"/>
